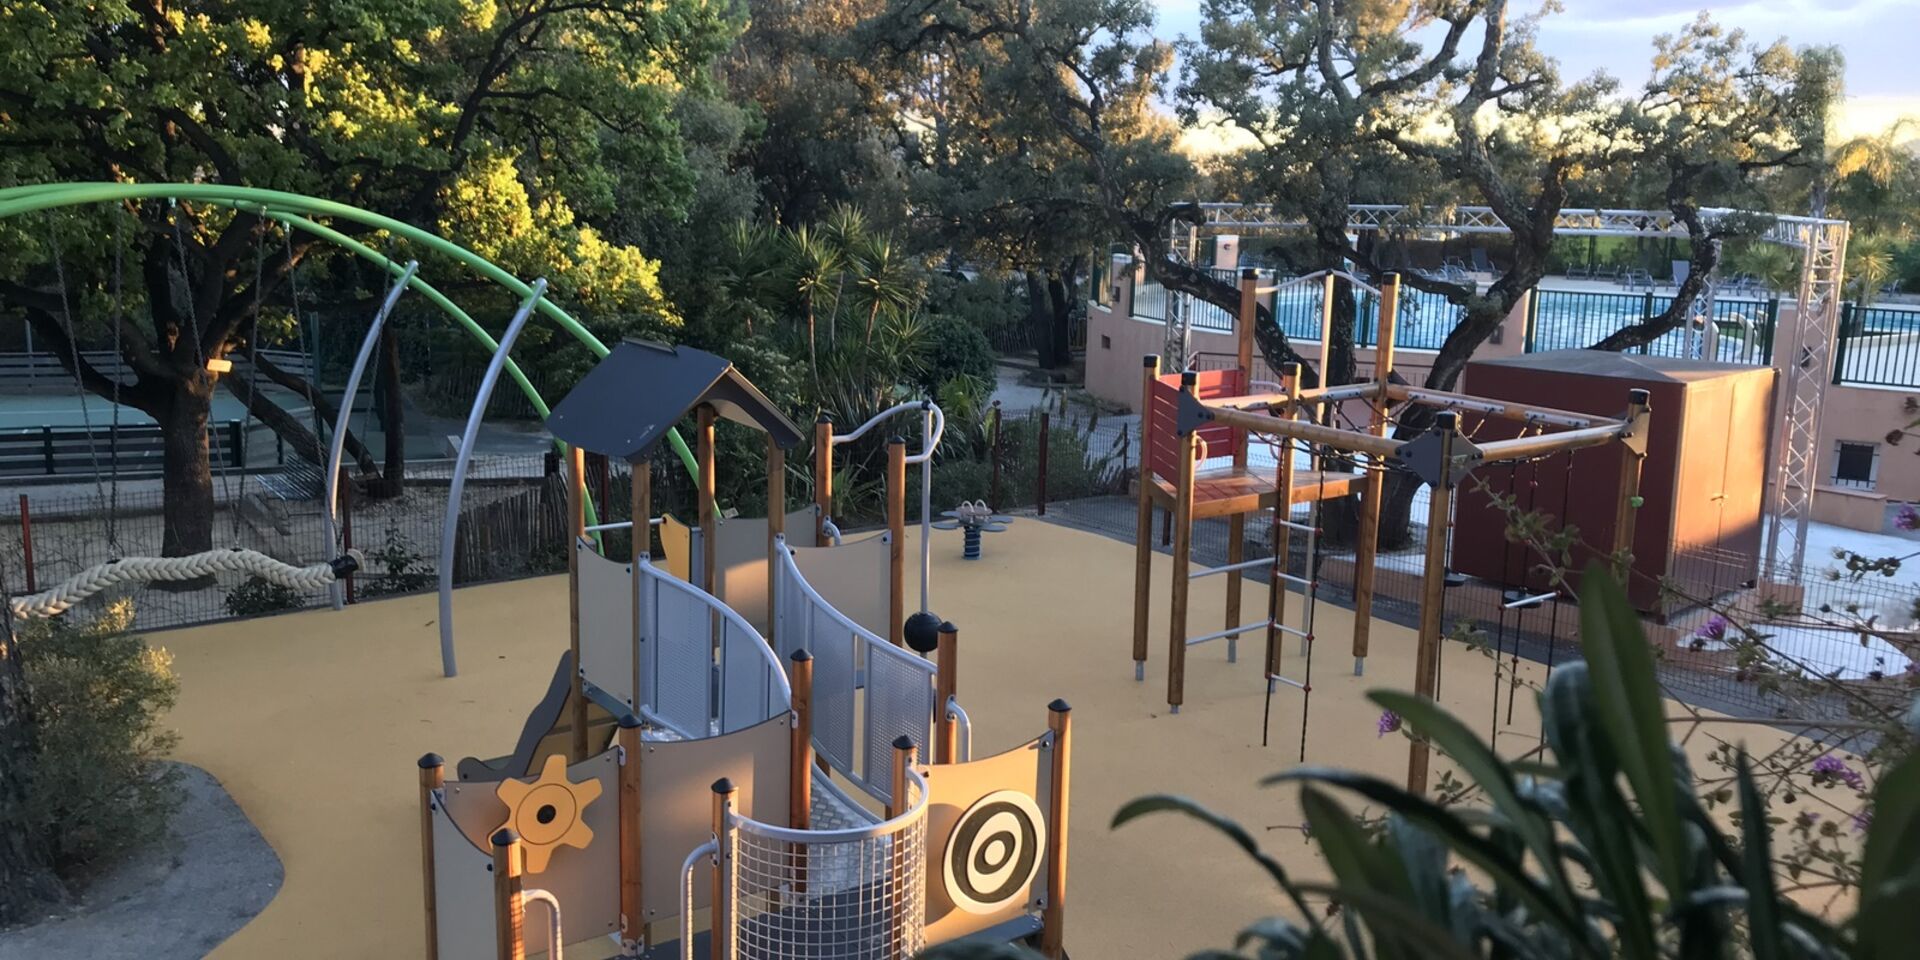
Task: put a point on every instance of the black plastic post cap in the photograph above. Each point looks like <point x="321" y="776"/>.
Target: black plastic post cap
<point x="1150" y="360"/>
<point x="1060" y="706"/>
<point x="824" y="417"/>
<point x="801" y="656"/>
<point x="723" y="785"/>
<point x="896" y="439"/>
<point x="946" y="626"/>
<point x="505" y="837"/>
<point x="1189" y="377"/>
<point x="1249" y="272"/>
<point x="628" y="721"/>
<point x="1447" y="420"/>
<point x="903" y="742"/>
<point x="430" y="761"/>
<point x="1639" y="395"/>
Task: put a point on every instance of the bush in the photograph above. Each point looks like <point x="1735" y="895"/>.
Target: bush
<point x="401" y="570"/>
<point x="97" y="787"/>
<point x="950" y="349"/>
<point x="257" y="596"/>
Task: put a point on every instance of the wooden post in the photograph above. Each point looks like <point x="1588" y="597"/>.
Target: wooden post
<point x="1626" y="511"/>
<point x="1053" y="919"/>
<point x="1143" y="520"/>
<point x="577" y="531"/>
<point x="776" y="525"/>
<point x="1281" y="542"/>
<point x="509" y="909"/>
<point x="709" y="522"/>
<point x="722" y="936"/>
<point x="1237" y="523"/>
<point x="1182" y="560"/>
<point x="993" y="485"/>
<point x="800" y="765"/>
<point x="433" y="776"/>
<point x="26" y="545"/>
<point x="1373" y="487"/>
<point x="822" y="477"/>
<point x="633" y="922"/>
<point x="897" y="537"/>
<point x="903" y="751"/>
<point x="1426" y="664"/>
<point x="346" y="527"/>
<point x="946" y="682"/>
<point x="1040" y="475"/>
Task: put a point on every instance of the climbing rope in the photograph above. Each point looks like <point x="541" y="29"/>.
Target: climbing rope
<point x="62" y="596"/>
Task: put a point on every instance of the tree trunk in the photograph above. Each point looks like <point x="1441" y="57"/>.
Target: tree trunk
<point x="1040" y="319"/>
<point x="26" y="880"/>
<point x="186" y="478"/>
<point x="393" y="419"/>
<point x="1062" y="289"/>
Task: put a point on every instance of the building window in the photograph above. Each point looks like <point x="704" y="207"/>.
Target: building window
<point x="1856" y="464"/>
<point x="1106" y="342"/>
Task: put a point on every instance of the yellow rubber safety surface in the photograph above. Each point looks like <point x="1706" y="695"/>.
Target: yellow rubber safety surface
<point x="314" y="721"/>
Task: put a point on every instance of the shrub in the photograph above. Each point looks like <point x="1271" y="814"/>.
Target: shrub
<point x="256" y="596"/>
<point x="951" y="348"/>
<point x="401" y="569"/>
<point x="97" y="787"/>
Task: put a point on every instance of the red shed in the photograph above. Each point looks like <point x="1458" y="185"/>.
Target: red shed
<point x="1701" y="486"/>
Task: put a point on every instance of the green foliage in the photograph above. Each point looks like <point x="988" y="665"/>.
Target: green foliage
<point x="96" y="788"/>
<point x="953" y="351"/>
<point x="393" y="568"/>
<point x="256" y="596"/>
<point x="1603" y="851"/>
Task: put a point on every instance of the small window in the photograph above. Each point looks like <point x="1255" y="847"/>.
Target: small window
<point x="1856" y="464"/>
<point x="1106" y="342"/>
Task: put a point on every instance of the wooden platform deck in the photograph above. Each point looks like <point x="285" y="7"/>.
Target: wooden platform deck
<point x="1225" y="491"/>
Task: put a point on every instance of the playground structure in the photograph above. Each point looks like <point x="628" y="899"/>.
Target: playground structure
<point x="1184" y="426"/>
<point x="600" y="812"/>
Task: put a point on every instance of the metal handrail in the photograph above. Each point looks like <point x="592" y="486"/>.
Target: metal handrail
<point x="884" y="828"/>
<point x="933" y="428"/>
<point x="555" y="943"/>
<point x="964" y="729"/>
<point x="709" y="849"/>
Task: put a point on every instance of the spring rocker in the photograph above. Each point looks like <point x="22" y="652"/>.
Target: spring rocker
<point x="818" y="775"/>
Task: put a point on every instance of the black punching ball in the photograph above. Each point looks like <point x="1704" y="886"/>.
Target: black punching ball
<point x="922" y="632"/>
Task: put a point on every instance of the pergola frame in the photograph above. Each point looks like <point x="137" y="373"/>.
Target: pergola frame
<point x="1805" y="367"/>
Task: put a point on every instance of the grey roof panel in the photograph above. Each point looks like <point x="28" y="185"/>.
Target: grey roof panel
<point x="626" y="404"/>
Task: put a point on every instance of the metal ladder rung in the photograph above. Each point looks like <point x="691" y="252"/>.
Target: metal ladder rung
<point x="1229" y="568"/>
<point x="1292" y="631"/>
<point x="1289" y="681"/>
<point x="1290" y="578"/>
<point x="1297" y="525"/>
<point x="1230" y="632"/>
<point x="1530" y="601"/>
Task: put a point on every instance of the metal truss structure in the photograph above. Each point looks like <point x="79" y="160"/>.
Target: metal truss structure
<point x="1805" y="369"/>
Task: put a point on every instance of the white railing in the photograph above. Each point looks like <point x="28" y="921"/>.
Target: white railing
<point x="899" y="685"/>
<point x="847" y="894"/>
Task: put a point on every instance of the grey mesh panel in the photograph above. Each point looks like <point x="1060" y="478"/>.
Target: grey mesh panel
<point x="899" y="700"/>
<point x="683" y="660"/>
<point x="744" y="680"/>
<point x="833" y="647"/>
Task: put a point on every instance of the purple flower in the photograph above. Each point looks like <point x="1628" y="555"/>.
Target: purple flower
<point x="1715" y="629"/>
<point x="1862" y="820"/>
<point x="1389" y="723"/>
<point x="1907" y="519"/>
<point x="1829" y="768"/>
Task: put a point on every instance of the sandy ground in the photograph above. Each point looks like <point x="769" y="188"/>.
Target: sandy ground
<point x="174" y="901"/>
<point x="314" y="721"/>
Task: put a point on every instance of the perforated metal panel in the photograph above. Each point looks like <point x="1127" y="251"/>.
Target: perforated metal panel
<point x="833" y="678"/>
<point x="745" y="679"/>
<point x="683" y="659"/>
<point x="899" y="700"/>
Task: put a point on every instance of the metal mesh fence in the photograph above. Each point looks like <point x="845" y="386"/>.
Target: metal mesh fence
<point x="849" y="894"/>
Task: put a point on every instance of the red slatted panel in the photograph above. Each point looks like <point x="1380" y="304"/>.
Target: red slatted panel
<point x="1162" y="442"/>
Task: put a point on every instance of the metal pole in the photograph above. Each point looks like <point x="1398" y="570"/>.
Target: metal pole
<point x="463" y="459"/>
<point x="337" y="447"/>
<point x="926" y="505"/>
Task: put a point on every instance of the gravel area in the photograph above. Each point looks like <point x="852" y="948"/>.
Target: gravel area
<point x="174" y="901"/>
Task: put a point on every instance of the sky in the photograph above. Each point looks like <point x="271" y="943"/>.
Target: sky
<point x="1881" y="40"/>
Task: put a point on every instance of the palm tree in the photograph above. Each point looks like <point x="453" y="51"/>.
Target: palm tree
<point x="884" y="280"/>
<point x="812" y="263"/>
<point x="1877" y="156"/>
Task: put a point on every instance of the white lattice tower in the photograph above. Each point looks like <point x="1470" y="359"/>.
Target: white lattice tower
<point x="1805" y="370"/>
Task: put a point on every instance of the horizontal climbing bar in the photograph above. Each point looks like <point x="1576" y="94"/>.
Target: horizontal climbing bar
<point x="1292" y="631"/>
<point x="1526" y="448"/>
<point x="1526" y="413"/>
<point x="1289" y="681"/>
<point x="1532" y="601"/>
<point x="1231" y="567"/>
<point x="620" y="525"/>
<point x="1297" y="525"/>
<point x="1230" y="632"/>
<point x="1264" y="425"/>
<point x="1290" y="578"/>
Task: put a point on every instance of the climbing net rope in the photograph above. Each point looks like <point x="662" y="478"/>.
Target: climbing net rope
<point x="62" y="596"/>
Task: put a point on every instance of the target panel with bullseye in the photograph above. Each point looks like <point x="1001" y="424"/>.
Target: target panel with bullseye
<point x="994" y="852"/>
